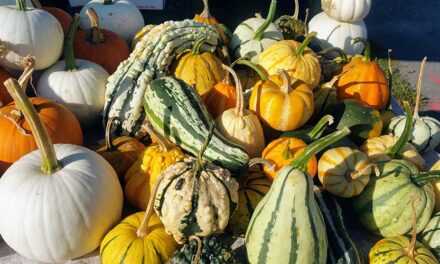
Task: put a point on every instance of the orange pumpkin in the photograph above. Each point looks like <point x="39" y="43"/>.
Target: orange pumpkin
<point x="5" y="98"/>
<point x="365" y="82"/>
<point x="62" y="16"/>
<point x="120" y="152"/>
<point x="100" y="46"/>
<point x="282" y="152"/>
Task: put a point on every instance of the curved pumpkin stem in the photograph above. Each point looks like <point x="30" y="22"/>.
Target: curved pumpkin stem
<point x="261" y="72"/>
<point x="199" y="248"/>
<point x="197" y="44"/>
<point x="306" y="19"/>
<point x="419" y="88"/>
<point x="164" y="144"/>
<point x="287" y="153"/>
<point x="331" y="83"/>
<point x="356" y="174"/>
<point x="286" y="81"/>
<point x="199" y="165"/>
<point x="412" y="246"/>
<point x="296" y="12"/>
<point x="340" y="52"/>
<point x="44" y="143"/>
<point x="394" y="152"/>
<point x="239" y="105"/>
<point x="36" y="4"/>
<point x="109" y="133"/>
<point x="21" y="5"/>
<point x="205" y="14"/>
<point x="95" y="35"/>
<point x="28" y="63"/>
<point x="367" y="50"/>
<point x="5" y="49"/>
<point x="269" y="19"/>
<point x="425" y="177"/>
<point x="321" y="126"/>
<point x="69" y="55"/>
<point x="253" y="162"/>
<point x="305" y="43"/>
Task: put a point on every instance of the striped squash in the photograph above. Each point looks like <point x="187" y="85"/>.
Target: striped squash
<point x="384" y="208"/>
<point x="436" y="185"/>
<point x="342" y="249"/>
<point x="287" y="225"/>
<point x="431" y="235"/>
<point x="151" y="57"/>
<point x="254" y="35"/>
<point x="177" y="112"/>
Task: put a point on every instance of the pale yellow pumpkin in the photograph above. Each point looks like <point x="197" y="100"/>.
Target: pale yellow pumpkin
<point x="436" y="184"/>
<point x="240" y="125"/>
<point x="296" y="58"/>
<point x="140" y="178"/>
<point x="344" y="172"/>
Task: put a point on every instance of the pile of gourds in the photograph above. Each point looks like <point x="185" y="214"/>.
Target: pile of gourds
<point x="208" y="134"/>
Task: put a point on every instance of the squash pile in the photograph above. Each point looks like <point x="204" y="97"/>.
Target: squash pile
<point x="204" y="149"/>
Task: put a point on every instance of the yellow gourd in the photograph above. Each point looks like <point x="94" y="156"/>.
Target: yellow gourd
<point x="436" y="185"/>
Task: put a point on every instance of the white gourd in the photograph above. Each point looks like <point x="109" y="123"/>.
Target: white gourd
<point x="346" y="10"/>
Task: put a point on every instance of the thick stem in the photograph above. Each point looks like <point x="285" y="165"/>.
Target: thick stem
<point x="108" y="2"/>
<point x="320" y="127"/>
<point x="164" y="144"/>
<point x="143" y="230"/>
<point x="260" y="31"/>
<point x="239" y="105"/>
<point x="412" y="246"/>
<point x="394" y="151"/>
<point x="367" y="50"/>
<point x="197" y="44"/>
<point x="419" y="88"/>
<point x="205" y="14"/>
<point x="242" y="175"/>
<point x="21" y="5"/>
<point x="256" y="68"/>
<point x="5" y="50"/>
<point x="49" y="160"/>
<point x="296" y="13"/>
<point x="199" y="248"/>
<point x="200" y="166"/>
<point x="69" y="55"/>
<point x="36" y="4"/>
<point x="109" y="133"/>
<point x="356" y="174"/>
<point x="285" y="88"/>
<point x="305" y="43"/>
<point x="314" y="148"/>
<point x="95" y="35"/>
<point x="287" y="153"/>
<point x="425" y="177"/>
<point x="340" y="52"/>
<point x="28" y="63"/>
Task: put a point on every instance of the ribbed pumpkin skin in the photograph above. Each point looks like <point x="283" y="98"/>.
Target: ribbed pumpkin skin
<point x="62" y="16"/>
<point x="268" y="101"/>
<point x="274" y="153"/>
<point x="122" y="245"/>
<point x="436" y="185"/>
<point x="140" y="178"/>
<point x="201" y="72"/>
<point x="287" y="226"/>
<point x="5" y="98"/>
<point x="220" y="98"/>
<point x="282" y="55"/>
<point x="384" y="206"/>
<point x="335" y="167"/>
<point x="365" y="82"/>
<point x="62" y="127"/>
<point x="393" y="250"/>
<point x="376" y="150"/>
<point x="250" y="193"/>
<point x="108" y="54"/>
<point x="431" y="235"/>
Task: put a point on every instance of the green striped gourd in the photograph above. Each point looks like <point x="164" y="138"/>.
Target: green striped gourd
<point x="384" y="208"/>
<point x="151" y="58"/>
<point x="287" y="225"/>
<point x="341" y="249"/>
<point x="431" y="235"/>
<point x="178" y="113"/>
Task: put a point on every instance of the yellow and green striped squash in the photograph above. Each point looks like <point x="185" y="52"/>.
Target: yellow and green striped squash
<point x="431" y="235"/>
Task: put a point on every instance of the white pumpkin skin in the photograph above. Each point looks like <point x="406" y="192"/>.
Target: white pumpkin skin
<point x="82" y="90"/>
<point x="346" y="10"/>
<point x="40" y="34"/>
<point x="333" y="33"/>
<point x="60" y="216"/>
<point x="121" y="17"/>
<point x="426" y="133"/>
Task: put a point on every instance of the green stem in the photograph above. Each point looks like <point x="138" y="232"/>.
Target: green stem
<point x="394" y="152"/>
<point x="305" y="43"/>
<point x="20" y="5"/>
<point x="108" y="2"/>
<point x="36" y="4"/>
<point x="44" y="143"/>
<point x="260" y="31"/>
<point x="314" y="148"/>
<point x="197" y="44"/>
<point x="341" y="53"/>
<point x="199" y="165"/>
<point x="367" y="50"/>
<point x="287" y="154"/>
<point x="69" y="55"/>
<point x="256" y="68"/>
<point x="322" y="125"/>
<point x="425" y="177"/>
<point x="95" y="35"/>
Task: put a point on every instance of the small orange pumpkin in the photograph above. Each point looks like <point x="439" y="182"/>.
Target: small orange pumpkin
<point x="100" y="46"/>
<point x="282" y="152"/>
<point x="365" y="82"/>
<point x="62" y="16"/>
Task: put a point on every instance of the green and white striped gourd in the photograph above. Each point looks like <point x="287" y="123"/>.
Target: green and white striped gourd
<point x="178" y="113"/>
<point x="150" y="59"/>
<point x="287" y="225"/>
<point x="431" y="235"/>
<point x="341" y="248"/>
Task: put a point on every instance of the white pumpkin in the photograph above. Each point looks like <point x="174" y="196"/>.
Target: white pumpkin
<point x="56" y="203"/>
<point x="333" y="33"/>
<point x="30" y="31"/>
<point x="80" y="85"/>
<point x="346" y="10"/>
<point x="119" y="16"/>
<point x="254" y="35"/>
